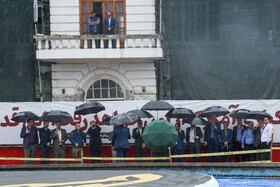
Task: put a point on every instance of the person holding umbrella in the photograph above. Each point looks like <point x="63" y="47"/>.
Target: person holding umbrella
<point x="211" y="136"/>
<point x="193" y="136"/>
<point x="59" y="137"/>
<point x="257" y="143"/>
<point x="95" y="140"/>
<point x="180" y="145"/>
<point x="78" y="140"/>
<point x="226" y="141"/>
<point x="266" y="137"/>
<point x="45" y="141"/>
<point x="139" y="142"/>
<point x="237" y="135"/>
<point x="30" y="140"/>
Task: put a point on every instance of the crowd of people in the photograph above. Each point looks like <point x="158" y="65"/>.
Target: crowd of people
<point x="216" y="139"/>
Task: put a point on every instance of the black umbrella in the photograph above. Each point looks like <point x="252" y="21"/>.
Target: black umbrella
<point x="180" y="113"/>
<point x="106" y="121"/>
<point x="24" y="116"/>
<point x="89" y="108"/>
<point x="123" y="119"/>
<point x="258" y="115"/>
<point x="57" y="116"/>
<point x="157" y="105"/>
<point x="240" y="113"/>
<point x="141" y="113"/>
<point x="195" y="121"/>
<point x="214" y="110"/>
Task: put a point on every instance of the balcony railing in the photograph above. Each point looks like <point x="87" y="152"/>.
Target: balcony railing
<point x="54" y="42"/>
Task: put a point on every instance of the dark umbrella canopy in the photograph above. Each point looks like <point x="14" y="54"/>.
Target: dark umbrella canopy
<point x="214" y="110"/>
<point x="57" y="116"/>
<point x="106" y="121"/>
<point x="157" y="105"/>
<point x="240" y="113"/>
<point x="196" y="121"/>
<point x="123" y="119"/>
<point x="258" y="115"/>
<point x="141" y="113"/>
<point x="89" y="108"/>
<point x="159" y="135"/>
<point x="180" y="113"/>
<point x="25" y="116"/>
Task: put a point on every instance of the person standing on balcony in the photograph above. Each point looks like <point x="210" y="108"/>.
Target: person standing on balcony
<point x="109" y="24"/>
<point x="45" y="141"/>
<point x="59" y="137"/>
<point x="139" y="142"/>
<point x="30" y="140"/>
<point x="95" y="140"/>
<point x="93" y="23"/>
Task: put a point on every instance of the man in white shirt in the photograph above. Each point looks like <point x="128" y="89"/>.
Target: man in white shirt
<point x="266" y="137"/>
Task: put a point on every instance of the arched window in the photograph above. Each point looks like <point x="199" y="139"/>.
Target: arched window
<point x="105" y="89"/>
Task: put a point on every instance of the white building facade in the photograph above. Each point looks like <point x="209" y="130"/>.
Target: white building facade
<point x="81" y="72"/>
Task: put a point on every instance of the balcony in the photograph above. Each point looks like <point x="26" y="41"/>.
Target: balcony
<point x="70" y="47"/>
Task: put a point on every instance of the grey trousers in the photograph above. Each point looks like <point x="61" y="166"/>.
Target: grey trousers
<point x="59" y="153"/>
<point x="30" y="152"/>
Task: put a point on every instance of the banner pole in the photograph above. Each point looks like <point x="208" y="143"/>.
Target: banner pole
<point x="169" y="149"/>
<point x="271" y="145"/>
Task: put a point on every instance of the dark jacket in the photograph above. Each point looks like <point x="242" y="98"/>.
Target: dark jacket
<point x="55" y="138"/>
<point x="29" y="138"/>
<point x="120" y="137"/>
<point x="138" y="138"/>
<point x="77" y="137"/>
<point x="197" y="132"/>
<point x="112" y="25"/>
<point x="226" y="138"/>
<point x="45" y="136"/>
<point x="180" y="141"/>
<point x="94" y="23"/>
<point x="94" y="135"/>
<point x="217" y="132"/>
<point x="235" y="133"/>
<point x="257" y="133"/>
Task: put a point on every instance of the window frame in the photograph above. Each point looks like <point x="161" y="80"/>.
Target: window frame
<point x="104" y="99"/>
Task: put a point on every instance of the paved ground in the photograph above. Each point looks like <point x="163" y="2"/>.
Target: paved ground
<point x="96" y="178"/>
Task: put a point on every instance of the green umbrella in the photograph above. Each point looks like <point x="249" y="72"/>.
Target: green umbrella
<point x="159" y="135"/>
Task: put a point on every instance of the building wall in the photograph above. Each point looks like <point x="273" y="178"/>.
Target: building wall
<point x="76" y="77"/>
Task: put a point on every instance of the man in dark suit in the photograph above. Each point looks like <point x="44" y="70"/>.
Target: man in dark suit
<point x="45" y="141"/>
<point x="211" y="137"/>
<point x="258" y="134"/>
<point x="95" y="140"/>
<point x="139" y="142"/>
<point x="226" y="141"/>
<point x="120" y="141"/>
<point x="110" y="24"/>
<point x="59" y="137"/>
<point x="193" y="136"/>
<point x="237" y="135"/>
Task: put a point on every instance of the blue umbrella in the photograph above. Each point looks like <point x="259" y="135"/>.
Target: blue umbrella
<point x="123" y="119"/>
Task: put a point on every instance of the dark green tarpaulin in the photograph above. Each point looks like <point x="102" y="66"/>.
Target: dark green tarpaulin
<point x="223" y="49"/>
<point x="16" y="50"/>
